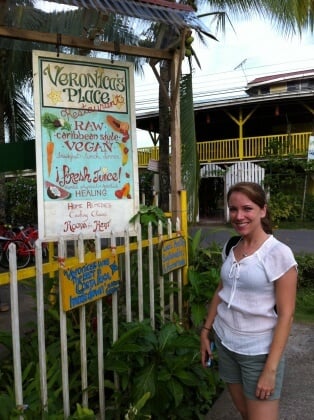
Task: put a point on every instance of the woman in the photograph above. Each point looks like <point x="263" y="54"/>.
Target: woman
<point x="252" y="309"/>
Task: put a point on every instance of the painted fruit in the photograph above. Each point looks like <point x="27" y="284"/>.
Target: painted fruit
<point x="55" y="192"/>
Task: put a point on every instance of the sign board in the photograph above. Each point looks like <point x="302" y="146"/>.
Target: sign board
<point x="86" y="156"/>
<point x="85" y="283"/>
<point x="173" y="254"/>
<point x="310" y="153"/>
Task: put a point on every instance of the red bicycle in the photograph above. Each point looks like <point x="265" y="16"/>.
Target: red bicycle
<point x="24" y="240"/>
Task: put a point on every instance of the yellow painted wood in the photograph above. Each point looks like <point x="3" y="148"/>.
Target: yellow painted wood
<point x="230" y="149"/>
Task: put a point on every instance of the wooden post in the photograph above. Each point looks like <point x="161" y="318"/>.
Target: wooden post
<point x="175" y="167"/>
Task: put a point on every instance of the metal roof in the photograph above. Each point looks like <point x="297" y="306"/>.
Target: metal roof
<point x="174" y="14"/>
<point x="242" y="99"/>
<point x="282" y="77"/>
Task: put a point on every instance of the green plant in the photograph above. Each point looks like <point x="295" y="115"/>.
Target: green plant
<point x="164" y="363"/>
<point x="203" y="278"/>
<point x="149" y="214"/>
<point x="146" y="186"/>
<point x="134" y="411"/>
<point x="305" y="293"/>
<point x="305" y="305"/>
<point x="83" y="413"/>
<point x="284" y="179"/>
<point x="305" y="271"/>
<point x="284" y="207"/>
<point x="309" y="207"/>
<point x="21" y="200"/>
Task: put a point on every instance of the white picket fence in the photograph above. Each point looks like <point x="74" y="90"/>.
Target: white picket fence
<point x="169" y="307"/>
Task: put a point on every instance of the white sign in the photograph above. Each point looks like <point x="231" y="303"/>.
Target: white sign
<point x="86" y="155"/>
<point x="310" y="153"/>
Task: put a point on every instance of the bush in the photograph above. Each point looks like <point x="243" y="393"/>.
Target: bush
<point x="305" y="271"/>
<point x="21" y="201"/>
<point x="164" y="364"/>
<point x="203" y="279"/>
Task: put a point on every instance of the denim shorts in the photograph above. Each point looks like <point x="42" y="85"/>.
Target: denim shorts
<point x="235" y="368"/>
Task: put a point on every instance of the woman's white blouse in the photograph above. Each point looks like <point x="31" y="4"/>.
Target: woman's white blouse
<point x="246" y="317"/>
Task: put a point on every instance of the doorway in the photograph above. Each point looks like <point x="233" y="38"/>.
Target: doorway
<point x="211" y="199"/>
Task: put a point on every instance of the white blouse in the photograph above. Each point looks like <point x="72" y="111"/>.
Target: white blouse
<point x="246" y="317"/>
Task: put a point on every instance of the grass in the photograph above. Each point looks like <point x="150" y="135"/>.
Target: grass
<point x="305" y="306"/>
<point x="298" y="224"/>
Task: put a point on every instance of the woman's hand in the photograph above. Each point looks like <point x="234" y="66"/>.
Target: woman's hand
<point x="205" y="347"/>
<point x="266" y="384"/>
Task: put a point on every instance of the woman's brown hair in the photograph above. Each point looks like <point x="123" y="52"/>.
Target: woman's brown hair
<point x="256" y="194"/>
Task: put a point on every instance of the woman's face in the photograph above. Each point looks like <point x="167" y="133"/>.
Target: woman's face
<point x="245" y="215"/>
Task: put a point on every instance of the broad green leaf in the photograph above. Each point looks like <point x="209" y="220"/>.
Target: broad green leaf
<point x="176" y="390"/>
<point x="145" y="381"/>
<point x="187" y="377"/>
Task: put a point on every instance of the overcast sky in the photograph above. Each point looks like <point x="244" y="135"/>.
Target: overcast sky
<point x="256" y="44"/>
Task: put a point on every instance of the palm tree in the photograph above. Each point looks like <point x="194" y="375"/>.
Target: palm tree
<point x="16" y="111"/>
<point x="15" y="74"/>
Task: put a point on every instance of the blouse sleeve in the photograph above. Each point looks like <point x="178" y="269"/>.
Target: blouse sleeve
<point x="278" y="261"/>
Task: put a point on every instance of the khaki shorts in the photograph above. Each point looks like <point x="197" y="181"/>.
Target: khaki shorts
<point x="235" y="368"/>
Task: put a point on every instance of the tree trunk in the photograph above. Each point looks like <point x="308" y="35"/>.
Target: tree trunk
<point x="2" y="178"/>
<point x="164" y="131"/>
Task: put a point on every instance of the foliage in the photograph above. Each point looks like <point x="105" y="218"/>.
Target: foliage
<point x="166" y="364"/>
<point x="83" y="413"/>
<point x="305" y="293"/>
<point x="146" y="186"/>
<point x="149" y="214"/>
<point x="305" y="305"/>
<point x="159" y="372"/>
<point x="21" y="201"/>
<point x="309" y="208"/>
<point x="305" y="271"/>
<point x="203" y="278"/>
<point x="190" y="170"/>
<point x="135" y="410"/>
<point x="284" y="207"/>
<point x="31" y="374"/>
<point x="285" y="180"/>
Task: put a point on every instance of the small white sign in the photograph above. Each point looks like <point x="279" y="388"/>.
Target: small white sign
<point x="310" y="153"/>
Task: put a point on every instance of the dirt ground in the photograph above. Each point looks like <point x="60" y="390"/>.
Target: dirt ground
<point x="297" y="402"/>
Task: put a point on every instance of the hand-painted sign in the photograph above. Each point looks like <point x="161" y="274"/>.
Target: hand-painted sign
<point x="88" y="282"/>
<point x="85" y="144"/>
<point x="173" y="254"/>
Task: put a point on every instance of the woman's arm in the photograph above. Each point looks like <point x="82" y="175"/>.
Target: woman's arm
<point x="285" y="289"/>
<point x="212" y="310"/>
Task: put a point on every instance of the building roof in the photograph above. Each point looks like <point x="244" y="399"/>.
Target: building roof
<point x="242" y="98"/>
<point x="282" y="77"/>
<point x="177" y="15"/>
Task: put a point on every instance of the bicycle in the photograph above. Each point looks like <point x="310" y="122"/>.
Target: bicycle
<point x="24" y="240"/>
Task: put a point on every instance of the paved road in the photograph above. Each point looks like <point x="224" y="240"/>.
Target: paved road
<point x="299" y="240"/>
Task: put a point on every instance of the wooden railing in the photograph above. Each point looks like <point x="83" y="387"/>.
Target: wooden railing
<point x="247" y="148"/>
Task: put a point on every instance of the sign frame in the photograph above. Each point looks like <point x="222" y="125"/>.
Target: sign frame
<point x="86" y="154"/>
<point x="173" y="254"/>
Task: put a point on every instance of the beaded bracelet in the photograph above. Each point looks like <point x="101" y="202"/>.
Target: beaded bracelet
<point x="205" y="328"/>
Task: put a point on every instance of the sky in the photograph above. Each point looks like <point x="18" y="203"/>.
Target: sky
<point x="256" y="44"/>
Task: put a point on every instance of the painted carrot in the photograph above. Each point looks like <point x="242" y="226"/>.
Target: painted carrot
<point x="52" y="123"/>
<point x="50" y="148"/>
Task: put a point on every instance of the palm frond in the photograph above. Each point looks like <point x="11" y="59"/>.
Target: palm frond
<point x="190" y="163"/>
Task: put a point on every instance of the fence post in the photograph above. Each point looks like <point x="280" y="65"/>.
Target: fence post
<point x="185" y="234"/>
